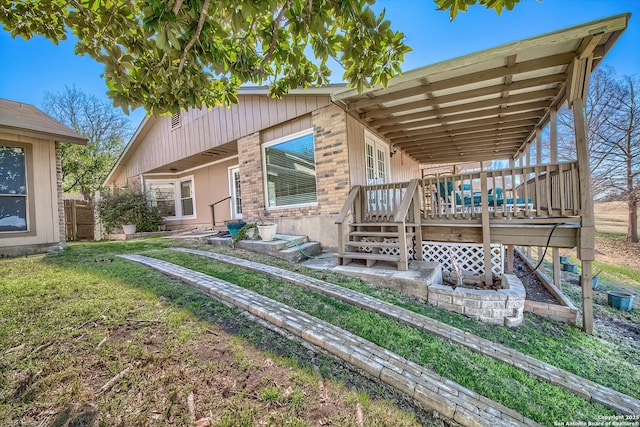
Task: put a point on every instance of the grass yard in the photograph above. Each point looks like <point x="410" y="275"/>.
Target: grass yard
<point x="89" y="339"/>
<point x="95" y="315"/>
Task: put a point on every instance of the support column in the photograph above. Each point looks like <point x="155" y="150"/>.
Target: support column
<point x="538" y="146"/>
<point x="526" y="162"/>
<point x="553" y="134"/>
<point x="539" y="162"/>
<point x="557" y="278"/>
<point x="510" y="253"/>
<point x="486" y="228"/>
<point x="586" y="244"/>
<point x="553" y="151"/>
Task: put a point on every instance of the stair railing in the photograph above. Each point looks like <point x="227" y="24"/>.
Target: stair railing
<point x="213" y="210"/>
<point x="409" y="209"/>
<point x="352" y="204"/>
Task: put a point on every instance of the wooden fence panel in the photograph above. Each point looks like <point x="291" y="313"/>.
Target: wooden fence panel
<point x="79" y="219"/>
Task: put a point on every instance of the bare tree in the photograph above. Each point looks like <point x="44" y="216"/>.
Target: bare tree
<point x="84" y="168"/>
<point x="613" y="129"/>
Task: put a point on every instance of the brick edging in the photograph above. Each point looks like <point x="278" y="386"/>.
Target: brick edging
<point x="427" y="387"/>
<point x="582" y="387"/>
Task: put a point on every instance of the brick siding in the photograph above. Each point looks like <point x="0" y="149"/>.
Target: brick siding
<point x="332" y="169"/>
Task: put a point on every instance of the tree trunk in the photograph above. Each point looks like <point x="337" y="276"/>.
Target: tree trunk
<point x="632" y="198"/>
<point x="632" y="227"/>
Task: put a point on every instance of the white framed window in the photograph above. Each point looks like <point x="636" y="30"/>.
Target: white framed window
<point x="290" y="171"/>
<point x="174" y="198"/>
<point x="13" y="189"/>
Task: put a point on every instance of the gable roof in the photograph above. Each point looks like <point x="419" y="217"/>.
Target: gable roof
<point x="485" y="105"/>
<point x="25" y="119"/>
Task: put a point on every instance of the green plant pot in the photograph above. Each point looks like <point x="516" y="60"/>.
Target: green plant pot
<point x="571" y="268"/>
<point x="234" y="227"/>
<point x="594" y="281"/>
<point x="620" y="300"/>
<point x="564" y="260"/>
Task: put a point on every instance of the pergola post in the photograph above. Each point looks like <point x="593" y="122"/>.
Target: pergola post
<point x="486" y="228"/>
<point x="540" y="251"/>
<point x="586" y="245"/>
<point x="553" y="151"/>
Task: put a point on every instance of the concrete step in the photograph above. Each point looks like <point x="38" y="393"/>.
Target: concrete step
<point x="291" y="248"/>
<point x="279" y="243"/>
<point x="300" y="252"/>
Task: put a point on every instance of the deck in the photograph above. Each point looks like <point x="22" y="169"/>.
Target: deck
<point x="522" y="206"/>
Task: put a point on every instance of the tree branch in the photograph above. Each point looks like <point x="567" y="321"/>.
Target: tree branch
<point x="274" y="37"/>
<point x="203" y="16"/>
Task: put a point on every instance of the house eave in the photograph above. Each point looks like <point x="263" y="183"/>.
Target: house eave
<point x="56" y="137"/>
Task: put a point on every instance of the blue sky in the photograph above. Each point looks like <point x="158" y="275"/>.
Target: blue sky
<point x="32" y="68"/>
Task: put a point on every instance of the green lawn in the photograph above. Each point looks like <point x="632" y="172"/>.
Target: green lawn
<point x="70" y="323"/>
<point x="49" y="300"/>
<point x="599" y="358"/>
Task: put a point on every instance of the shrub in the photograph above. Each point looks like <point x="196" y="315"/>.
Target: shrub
<point x="128" y="208"/>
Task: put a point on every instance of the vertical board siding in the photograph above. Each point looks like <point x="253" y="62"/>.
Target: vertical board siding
<point x="287" y="128"/>
<point x="355" y="138"/>
<point x="208" y="128"/>
<point x="398" y="172"/>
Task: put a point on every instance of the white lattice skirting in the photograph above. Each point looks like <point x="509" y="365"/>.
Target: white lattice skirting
<point x="469" y="256"/>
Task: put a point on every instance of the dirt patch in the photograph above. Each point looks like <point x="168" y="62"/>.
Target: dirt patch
<point x="201" y="374"/>
<point x="618" y="252"/>
<point x="534" y="288"/>
<point x="620" y="326"/>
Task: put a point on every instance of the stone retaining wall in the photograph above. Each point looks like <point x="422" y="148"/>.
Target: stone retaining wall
<point x="501" y="307"/>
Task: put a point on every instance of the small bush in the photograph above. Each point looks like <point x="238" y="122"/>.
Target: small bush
<point x="128" y="208"/>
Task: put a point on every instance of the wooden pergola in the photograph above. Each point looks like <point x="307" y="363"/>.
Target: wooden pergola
<point x="494" y="104"/>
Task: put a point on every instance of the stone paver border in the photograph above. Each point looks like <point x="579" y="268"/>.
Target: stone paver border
<point x="447" y="397"/>
<point x="587" y="389"/>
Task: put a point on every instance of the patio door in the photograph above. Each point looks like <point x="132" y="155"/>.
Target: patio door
<point x="234" y="191"/>
<point x="376" y="161"/>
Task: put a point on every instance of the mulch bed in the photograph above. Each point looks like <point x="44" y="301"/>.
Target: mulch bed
<point x="533" y="287"/>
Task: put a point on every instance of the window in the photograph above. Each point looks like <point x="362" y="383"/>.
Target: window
<point x="174" y="199"/>
<point x="186" y="199"/>
<point x="13" y="189"/>
<point x="162" y="196"/>
<point x="289" y="165"/>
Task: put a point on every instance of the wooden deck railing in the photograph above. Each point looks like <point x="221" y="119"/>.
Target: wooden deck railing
<point x="521" y="192"/>
<point x="381" y="201"/>
<point x="546" y="193"/>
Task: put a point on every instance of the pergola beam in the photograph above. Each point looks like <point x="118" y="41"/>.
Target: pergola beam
<point x="476" y="77"/>
<point x="479" y="147"/>
<point x="521" y="125"/>
<point x="474" y="93"/>
<point x="464" y="157"/>
<point x="490" y="112"/>
<point x="465" y="140"/>
<point x="505" y="122"/>
<point x="512" y="99"/>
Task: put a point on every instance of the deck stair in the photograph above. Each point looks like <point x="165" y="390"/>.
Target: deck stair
<point x="377" y="241"/>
